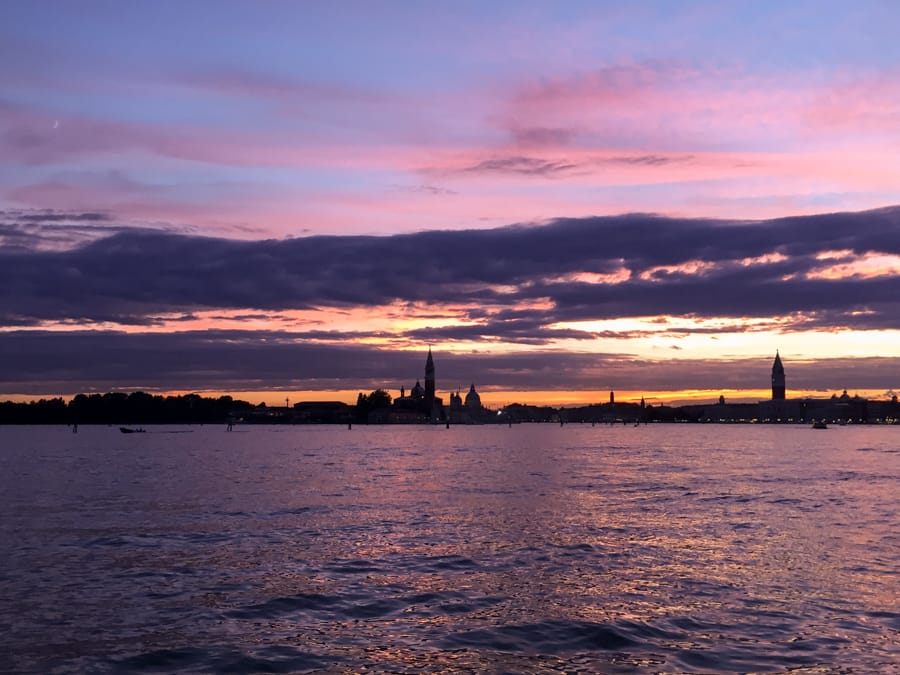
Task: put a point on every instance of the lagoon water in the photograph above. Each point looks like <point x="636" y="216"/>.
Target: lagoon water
<point x="535" y="548"/>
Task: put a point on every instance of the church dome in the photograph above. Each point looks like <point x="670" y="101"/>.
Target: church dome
<point x="418" y="391"/>
<point x="473" y="400"/>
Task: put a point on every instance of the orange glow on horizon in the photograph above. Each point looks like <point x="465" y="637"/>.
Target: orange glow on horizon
<point x="496" y="399"/>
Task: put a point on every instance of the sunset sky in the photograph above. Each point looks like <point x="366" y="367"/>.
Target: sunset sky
<point x="293" y="200"/>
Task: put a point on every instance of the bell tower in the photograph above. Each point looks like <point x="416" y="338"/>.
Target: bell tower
<point x="429" y="380"/>
<point x="777" y="379"/>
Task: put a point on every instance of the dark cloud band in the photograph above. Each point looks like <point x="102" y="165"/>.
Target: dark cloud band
<point x="49" y="363"/>
<point x="141" y="274"/>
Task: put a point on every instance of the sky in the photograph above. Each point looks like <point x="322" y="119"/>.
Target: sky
<point x="292" y="201"/>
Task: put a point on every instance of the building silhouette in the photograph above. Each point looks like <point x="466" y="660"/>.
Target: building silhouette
<point x="468" y="410"/>
<point x="777" y="379"/>
<point x="422" y="403"/>
<point x="429" y="382"/>
<point x="473" y="400"/>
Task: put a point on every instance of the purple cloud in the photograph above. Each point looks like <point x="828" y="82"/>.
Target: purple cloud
<point x="142" y="273"/>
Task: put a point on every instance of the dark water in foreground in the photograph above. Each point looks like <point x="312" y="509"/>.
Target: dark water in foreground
<point x="528" y="549"/>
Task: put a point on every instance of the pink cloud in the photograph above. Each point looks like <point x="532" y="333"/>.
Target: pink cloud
<point x="661" y="106"/>
<point x="676" y="107"/>
<point x="35" y="138"/>
<point x="865" y="104"/>
<point x="700" y="142"/>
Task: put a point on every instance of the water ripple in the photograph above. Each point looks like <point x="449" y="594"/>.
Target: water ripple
<point x="273" y="659"/>
<point x="550" y="637"/>
<point x="410" y="550"/>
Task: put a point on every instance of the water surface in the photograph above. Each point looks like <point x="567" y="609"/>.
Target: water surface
<point x="535" y="548"/>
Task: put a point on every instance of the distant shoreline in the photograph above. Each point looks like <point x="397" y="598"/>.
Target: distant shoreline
<point x="139" y="408"/>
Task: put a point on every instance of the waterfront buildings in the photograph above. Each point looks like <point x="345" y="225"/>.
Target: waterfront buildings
<point x="421" y="404"/>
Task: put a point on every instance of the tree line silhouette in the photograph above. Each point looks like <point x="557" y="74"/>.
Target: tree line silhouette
<point x="120" y="408"/>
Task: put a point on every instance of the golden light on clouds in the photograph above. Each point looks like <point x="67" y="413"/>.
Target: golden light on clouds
<point x="765" y="259"/>
<point x="689" y="268"/>
<point x="619" y="276"/>
<point x="866" y="266"/>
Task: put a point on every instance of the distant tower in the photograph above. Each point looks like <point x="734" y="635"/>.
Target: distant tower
<point x="429" y="380"/>
<point x="612" y="397"/>
<point x="777" y="379"/>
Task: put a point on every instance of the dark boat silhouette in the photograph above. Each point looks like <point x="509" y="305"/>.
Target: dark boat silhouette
<point x="819" y="425"/>
<point x="127" y="430"/>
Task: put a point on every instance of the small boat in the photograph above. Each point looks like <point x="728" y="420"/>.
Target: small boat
<point x="127" y="430"/>
<point x="819" y="425"/>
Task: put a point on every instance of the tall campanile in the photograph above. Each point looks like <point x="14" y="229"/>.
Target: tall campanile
<point x="777" y="379"/>
<point x="429" y="380"/>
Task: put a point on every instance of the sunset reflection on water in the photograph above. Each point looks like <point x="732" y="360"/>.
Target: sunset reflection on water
<point x="423" y="549"/>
